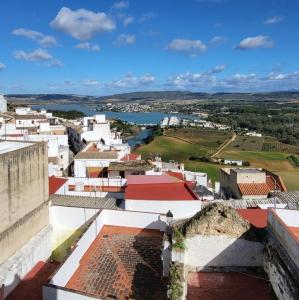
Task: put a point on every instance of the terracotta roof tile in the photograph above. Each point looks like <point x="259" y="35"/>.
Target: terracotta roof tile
<point x="55" y="183"/>
<point x="256" y="217"/>
<point x="131" y="156"/>
<point x="254" y="188"/>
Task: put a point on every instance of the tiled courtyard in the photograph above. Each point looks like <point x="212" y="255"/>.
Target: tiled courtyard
<point x="227" y="286"/>
<point x="122" y="263"/>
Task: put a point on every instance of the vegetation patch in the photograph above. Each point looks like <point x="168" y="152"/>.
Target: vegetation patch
<point x="70" y="115"/>
<point x="176" y="279"/>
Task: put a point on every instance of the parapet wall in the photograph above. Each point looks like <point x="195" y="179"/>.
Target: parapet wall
<point x="24" y="196"/>
<point x="23" y="182"/>
<point x="16" y="236"/>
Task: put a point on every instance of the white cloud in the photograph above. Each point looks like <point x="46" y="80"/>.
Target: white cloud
<point x="128" y="20"/>
<point x="120" y="5"/>
<point x="2" y="66"/>
<point x="192" y="80"/>
<point x="125" y="39"/>
<point x="91" y="83"/>
<point x="191" y="47"/>
<point x="273" y="20"/>
<point x="131" y="81"/>
<point x="259" y="41"/>
<point x="88" y="46"/>
<point x="38" y="55"/>
<point x="217" y="69"/>
<point x="218" y="40"/>
<point x="42" y="39"/>
<point x="82" y="24"/>
<point x="283" y="76"/>
<point x="238" y="82"/>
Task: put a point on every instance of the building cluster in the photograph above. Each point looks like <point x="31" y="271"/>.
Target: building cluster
<point x="126" y="228"/>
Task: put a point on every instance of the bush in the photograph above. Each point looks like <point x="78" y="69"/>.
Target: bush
<point x="175" y="287"/>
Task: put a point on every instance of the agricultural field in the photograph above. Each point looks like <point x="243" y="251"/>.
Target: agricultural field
<point x="266" y="144"/>
<point x="208" y="139"/>
<point x="181" y="144"/>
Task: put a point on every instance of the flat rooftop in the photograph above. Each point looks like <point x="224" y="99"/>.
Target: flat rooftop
<point x="122" y="263"/>
<point x="8" y="146"/>
<point x="229" y="285"/>
<point x="248" y="171"/>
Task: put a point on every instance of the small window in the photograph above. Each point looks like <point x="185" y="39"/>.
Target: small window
<point x="32" y="122"/>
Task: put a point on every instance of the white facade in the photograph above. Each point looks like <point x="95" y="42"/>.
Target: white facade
<point x="198" y="177"/>
<point x="222" y="251"/>
<point x="29" y="122"/>
<point x="180" y="209"/>
<point x="23" y="110"/>
<point x="3" y="104"/>
<point x="39" y="248"/>
<point x="97" y="128"/>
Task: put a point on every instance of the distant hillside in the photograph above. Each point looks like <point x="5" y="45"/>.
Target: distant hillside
<point x="161" y="95"/>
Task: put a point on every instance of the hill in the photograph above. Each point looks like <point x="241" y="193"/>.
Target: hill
<point x="161" y="96"/>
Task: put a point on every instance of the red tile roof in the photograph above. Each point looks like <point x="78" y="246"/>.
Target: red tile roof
<point x="272" y="184"/>
<point x="229" y="285"/>
<point x="55" y="183"/>
<point x="131" y="156"/>
<point x="256" y="217"/>
<point x="122" y="263"/>
<point x="177" y="175"/>
<point x="253" y="189"/>
<point x="159" y="191"/>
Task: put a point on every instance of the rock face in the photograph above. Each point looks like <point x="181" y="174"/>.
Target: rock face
<point x="218" y="219"/>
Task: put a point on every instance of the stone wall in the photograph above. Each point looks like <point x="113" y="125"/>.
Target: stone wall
<point x="24" y="196"/>
<point x="282" y="273"/>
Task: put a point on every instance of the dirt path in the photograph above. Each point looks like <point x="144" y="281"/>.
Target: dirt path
<point x="224" y="145"/>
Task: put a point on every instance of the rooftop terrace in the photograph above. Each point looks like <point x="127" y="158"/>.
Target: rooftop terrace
<point x="8" y="146"/>
<point x="122" y="262"/>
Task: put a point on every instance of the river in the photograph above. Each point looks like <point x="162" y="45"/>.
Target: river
<point x="132" y="117"/>
<point x="140" y="137"/>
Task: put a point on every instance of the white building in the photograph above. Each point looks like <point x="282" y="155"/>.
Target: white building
<point x="94" y="159"/>
<point x="97" y="129"/>
<point x="159" y="194"/>
<point x="3" y="104"/>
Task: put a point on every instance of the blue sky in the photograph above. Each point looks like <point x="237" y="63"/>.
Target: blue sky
<point x="100" y="47"/>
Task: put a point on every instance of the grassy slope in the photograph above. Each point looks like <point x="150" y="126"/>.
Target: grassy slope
<point x="203" y="142"/>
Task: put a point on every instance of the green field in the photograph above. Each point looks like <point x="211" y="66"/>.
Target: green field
<point x="181" y="144"/>
<point x="265" y="144"/>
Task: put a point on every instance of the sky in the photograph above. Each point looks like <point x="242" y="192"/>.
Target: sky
<point x="101" y="47"/>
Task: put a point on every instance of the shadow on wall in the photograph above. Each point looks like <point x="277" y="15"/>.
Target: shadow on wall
<point x="30" y="288"/>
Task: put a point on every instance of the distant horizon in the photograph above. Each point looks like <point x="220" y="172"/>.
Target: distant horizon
<point x="155" y="91"/>
<point x="117" y="46"/>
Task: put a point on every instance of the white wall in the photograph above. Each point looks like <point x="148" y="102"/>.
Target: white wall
<point x="180" y="209"/>
<point x="81" y="164"/>
<point x="221" y="251"/>
<point x="17" y="266"/>
<point x="52" y="293"/>
<point x="281" y="232"/>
